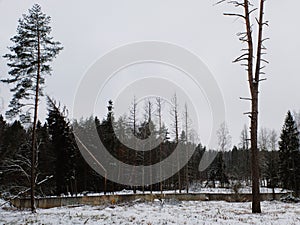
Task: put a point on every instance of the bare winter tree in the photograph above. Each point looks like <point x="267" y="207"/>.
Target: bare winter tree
<point x="186" y="128"/>
<point x="244" y="138"/>
<point x="263" y="140"/>
<point x="224" y="142"/>
<point x="174" y="114"/>
<point x="273" y="140"/>
<point x="159" y="104"/>
<point x="252" y="59"/>
<point x="224" y="138"/>
<point x="273" y="159"/>
<point x="133" y="123"/>
<point x="149" y="110"/>
<point x="133" y="116"/>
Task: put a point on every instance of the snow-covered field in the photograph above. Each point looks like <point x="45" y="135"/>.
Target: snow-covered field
<point x="245" y="190"/>
<point x="171" y="212"/>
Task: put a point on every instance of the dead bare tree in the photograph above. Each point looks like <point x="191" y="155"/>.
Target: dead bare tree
<point x="133" y="122"/>
<point x="263" y="139"/>
<point x="149" y="110"/>
<point x="273" y="140"/>
<point x="224" y="138"/>
<point x="187" y="127"/>
<point x="133" y="116"/>
<point x="159" y="103"/>
<point x="244" y="138"/>
<point x="174" y="114"/>
<point x="254" y="71"/>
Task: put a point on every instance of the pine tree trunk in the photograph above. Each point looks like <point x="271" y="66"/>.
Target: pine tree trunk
<point x="33" y="137"/>
<point x="253" y="85"/>
<point x="254" y="153"/>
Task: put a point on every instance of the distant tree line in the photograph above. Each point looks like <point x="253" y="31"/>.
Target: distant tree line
<point x="58" y="156"/>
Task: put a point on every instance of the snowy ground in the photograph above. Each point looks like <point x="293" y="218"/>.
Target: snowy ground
<point x="172" y="212"/>
<point x="193" y="190"/>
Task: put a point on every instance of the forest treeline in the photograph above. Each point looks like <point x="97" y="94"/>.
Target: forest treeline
<point x="61" y="163"/>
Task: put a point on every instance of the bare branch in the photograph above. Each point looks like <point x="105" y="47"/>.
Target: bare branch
<point x="265" y="39"/>
<point x="265" y="61"/>
<point x="234" y="14"/>
<point x="236" y="3"/>
<point x="253" y="10"/>
<point x="242" y="98"/>
<point x="219" y="2"/>
<point x="263" y="79"/>
<point x="241" y="58"/>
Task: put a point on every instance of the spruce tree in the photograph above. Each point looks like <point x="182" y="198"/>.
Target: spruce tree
<point x="64" y="146"/>
<point x="46" y="160"/>
<point x="107" y="135"/>
<point x="289" y="169"/>
<point x="29" y="61"/>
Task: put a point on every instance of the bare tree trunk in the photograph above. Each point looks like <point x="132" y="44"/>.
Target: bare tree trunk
<point x="175" y="115"/>
<point x="187" y="146"/>
<point x="254" y="157"/>
<point x="254" y="84"/>
<point x="159" y="106"/>
<point x="133" y="113"/>
<point x="254" y="112"/>
<point x="148" y="108"/>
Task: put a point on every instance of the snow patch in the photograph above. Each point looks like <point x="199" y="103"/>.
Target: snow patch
<point x="185" y="212"/>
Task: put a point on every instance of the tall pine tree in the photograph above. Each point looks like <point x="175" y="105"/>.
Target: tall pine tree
<point x="29" y="62"/>
<point x="289" y="167"/>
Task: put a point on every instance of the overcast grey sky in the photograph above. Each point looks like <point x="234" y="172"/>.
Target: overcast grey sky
<point x="89" y="29"/>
